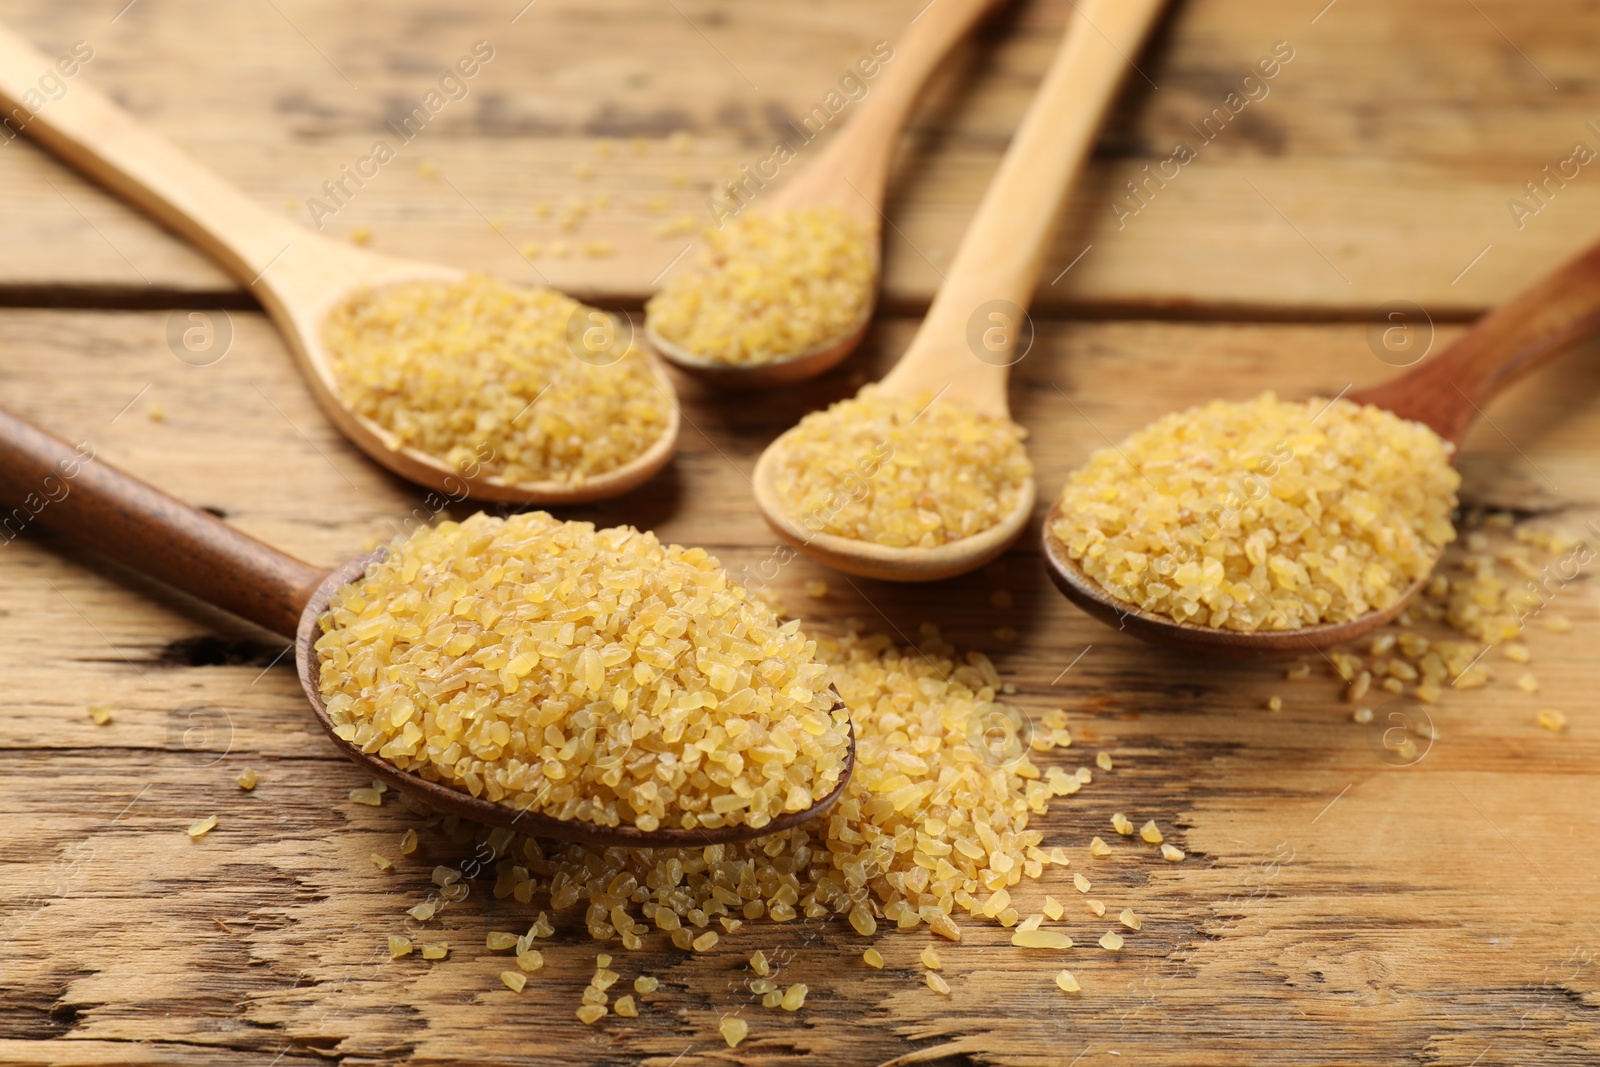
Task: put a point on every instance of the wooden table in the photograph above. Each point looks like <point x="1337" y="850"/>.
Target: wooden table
<point x="1337" y="905"/>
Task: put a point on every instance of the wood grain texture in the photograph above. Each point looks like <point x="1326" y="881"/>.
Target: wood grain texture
<point x="1377" y="167"/>
<point x="1334" y="908"/>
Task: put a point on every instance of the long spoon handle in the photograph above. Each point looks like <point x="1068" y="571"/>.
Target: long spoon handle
<point x="852" y="170"/>
<point x="103" y="141"/>
<point x="1448" y="391"/>
<point x="998" y="263"/>
<point x="48" y="483"/>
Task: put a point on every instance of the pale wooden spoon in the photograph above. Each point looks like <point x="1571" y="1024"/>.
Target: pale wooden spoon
<point x="1446" y="392"/>
<point x="851" y="173"/>
<point x="297" y="275"/>
<point x="964" y="350"/>
<point x="99" y="507"/>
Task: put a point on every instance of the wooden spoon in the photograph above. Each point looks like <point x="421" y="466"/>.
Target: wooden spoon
<point x="297" y="275"/>
<point x="966" y="346"/>
<point x="92" y="503"/>
<point x="850" y="173"/>
<point x="1446" y="392"/>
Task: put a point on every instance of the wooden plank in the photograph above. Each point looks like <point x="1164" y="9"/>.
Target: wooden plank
<point x="1335" y="907"/>
<point x="1377" y="166"/>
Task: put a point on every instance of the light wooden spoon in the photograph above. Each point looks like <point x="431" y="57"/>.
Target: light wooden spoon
<point x="965" y="348"/>
<point x="1446" y="392"/>
<point x="297" y="275"/>
<point x="851" y="173"/>
<point x="90" y="502"/>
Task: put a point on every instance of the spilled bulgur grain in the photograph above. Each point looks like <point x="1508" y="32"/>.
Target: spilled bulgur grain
<point x="734" y="1031"/>
<point x="766" y="287"/>
<point x="100" y="714"/>
<point x="591" y="675"/>
<point x="918" y="781"/>
<point x="1263" y="514"/>
<point x="482" y="376"/>
<point x="901" y="471"/>
<point x="203" y="827"/>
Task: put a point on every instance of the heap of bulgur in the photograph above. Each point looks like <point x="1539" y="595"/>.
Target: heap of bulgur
<point x="590" y="675"/>
<point x="769" y="286"/>
<point x="1263" y="514"/>
<point x="485" y="377"/>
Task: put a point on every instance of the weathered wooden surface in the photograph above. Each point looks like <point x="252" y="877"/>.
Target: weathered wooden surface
<point x="1336" y="907"/>
<point x="1376" y="167"/>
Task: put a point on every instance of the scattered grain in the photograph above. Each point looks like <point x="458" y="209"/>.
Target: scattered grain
<point x="1552" y="719"/>
<point x="203" y="827"/>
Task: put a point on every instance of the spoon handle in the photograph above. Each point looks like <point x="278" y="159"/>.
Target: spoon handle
<point x="48" y="483"/>
<point x="103" y="141"/>
<point x="852" y="170"/>
<point x="1448" y="391"/>
<point x="997" y="265"/>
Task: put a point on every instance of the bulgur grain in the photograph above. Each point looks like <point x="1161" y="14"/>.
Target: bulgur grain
<point x="626" y="1007"/>
<point x="589" y="675"/>
<point x="768" y="286"/>
<point x="1053" y="939"/>
<point x="203" y="827"/>
<point x="436" y="951"/>
<point x="937" y="983"/>
<point x="1263" y="515"/>
<point x="1552" y="719"/>
<point x="1067" y="982"/>
<point x="873" y="958"/>
<point x="453" y="369"/>
<point x="247" y="779"/>
<point x="1172" y="853"/>
<point x="515" y="981"/>
<point x="100" y="714"/>
<point x="1111" y="941"/>
<point x="399" y="946"/>
<point x="901" y="471"/>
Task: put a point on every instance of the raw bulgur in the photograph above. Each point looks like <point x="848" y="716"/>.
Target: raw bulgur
<point x="765" y="287"/>
<point x="902" y="471"/>
<point x="1263" y="514"/>
<point x="594" y="675"/>
<point x="482" y="376"/>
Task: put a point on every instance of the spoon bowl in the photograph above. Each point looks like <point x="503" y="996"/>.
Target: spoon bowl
<point x="1088" y="594"/>
<point x="1446" y="393"/>
<point x="138" y="525"/>
<point x="886" y="562"/>
<point x="786" y="370"/>
<point x="987" y="289"/>
<point x="298" y="275"/>
<point x="850" y="173"/>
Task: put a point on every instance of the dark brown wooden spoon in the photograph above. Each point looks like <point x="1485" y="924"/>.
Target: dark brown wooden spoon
<point x="57" y="487"/>
<point x="1447" y="393"/>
